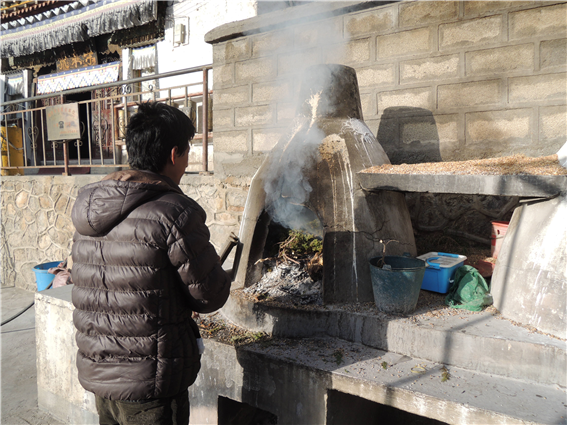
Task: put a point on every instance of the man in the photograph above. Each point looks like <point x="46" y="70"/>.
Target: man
<point x="142" y="264"/>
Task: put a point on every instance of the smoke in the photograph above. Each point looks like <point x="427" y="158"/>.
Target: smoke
<point x="287" y="187"/>
<point x="286" y="183"/>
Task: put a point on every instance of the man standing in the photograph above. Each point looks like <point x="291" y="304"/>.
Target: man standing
<point x="143" y="263"/>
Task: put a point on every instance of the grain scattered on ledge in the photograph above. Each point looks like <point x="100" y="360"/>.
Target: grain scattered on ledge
<point x="506" y="165"/>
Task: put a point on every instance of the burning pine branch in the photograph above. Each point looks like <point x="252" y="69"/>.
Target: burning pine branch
<point x="303" y="249"/>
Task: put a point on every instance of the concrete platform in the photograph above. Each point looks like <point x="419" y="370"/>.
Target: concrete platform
<point x="507" y="185"/>
<point x="334" y="366"/>
<point x="479" y="342"/>
<point x="331" y="381"/>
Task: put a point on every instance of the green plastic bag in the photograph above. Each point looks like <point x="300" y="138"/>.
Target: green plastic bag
<point x="469" y="290"/>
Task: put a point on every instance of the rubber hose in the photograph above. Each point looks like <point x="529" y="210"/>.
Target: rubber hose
<point x="21" y="312"/>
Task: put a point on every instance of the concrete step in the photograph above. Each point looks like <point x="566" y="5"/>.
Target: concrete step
<point x="476" y="341"/>
<point x="332" y="381"/>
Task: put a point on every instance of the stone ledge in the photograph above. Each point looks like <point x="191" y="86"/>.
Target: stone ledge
<point x="293" y="380"/>
<point x="292" y="16"/>
<point x="506" y="185"/>
<point x="478" y="342"/>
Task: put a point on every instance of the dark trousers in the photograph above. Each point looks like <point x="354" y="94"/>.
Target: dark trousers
<point x="158" y="411"/>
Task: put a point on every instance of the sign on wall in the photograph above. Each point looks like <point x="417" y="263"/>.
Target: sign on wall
<point x="77" y="61"/>
<point x="63" y="122"/>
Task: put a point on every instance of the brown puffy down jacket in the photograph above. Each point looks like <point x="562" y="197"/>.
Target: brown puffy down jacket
<point x="142" y="263"/>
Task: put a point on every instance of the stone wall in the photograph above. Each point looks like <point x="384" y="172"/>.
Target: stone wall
<point x="37" y="227"/>
<point x="36" y="224"/>
<point x="438" y="80"/>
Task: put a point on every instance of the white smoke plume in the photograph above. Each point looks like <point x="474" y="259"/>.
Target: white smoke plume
<point x="286" y="186"/>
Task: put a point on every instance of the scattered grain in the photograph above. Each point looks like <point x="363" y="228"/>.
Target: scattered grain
<point x="507" y="165"/>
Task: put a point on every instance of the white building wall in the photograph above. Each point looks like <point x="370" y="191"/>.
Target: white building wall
<point x="202" y="16"/>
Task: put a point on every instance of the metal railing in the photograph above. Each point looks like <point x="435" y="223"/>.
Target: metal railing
<point x="104" y="112"/>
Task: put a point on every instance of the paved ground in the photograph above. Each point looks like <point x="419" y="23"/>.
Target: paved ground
<point x="19" y="375"/>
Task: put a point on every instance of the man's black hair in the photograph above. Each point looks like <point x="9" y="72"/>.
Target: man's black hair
<point x="153" y="132"/>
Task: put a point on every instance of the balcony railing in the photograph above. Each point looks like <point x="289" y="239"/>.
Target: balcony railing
<point x="104" y="112"/>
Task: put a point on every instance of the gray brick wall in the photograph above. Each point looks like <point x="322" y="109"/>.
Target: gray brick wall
<point x="465" y="79"/>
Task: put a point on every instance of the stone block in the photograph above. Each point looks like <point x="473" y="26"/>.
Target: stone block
<point x="469" y="94"/>
<point x="280" y="90"/>
<point x="64" y="224"/>
<point x="378" y="21"/>
<point x="368" y="104"/>
<point x="435" y="68"/>
<point x="414" y="98"/>
<point x="553" y="53"/>
<point x="255" y="70"/>
<point x="553" y="123"/>
<point x="19" y="255"/>
<point x="448" y="131"/>
<point x="475" y="8"/>
<point x="538" y="87"/>
<point x="355" y="52"/>
<point x="33" y="204"/>
<point x="55" y="190"/>
<point x="404" y="43"/>
<point x="232" y="50"/>
<point x="475" y="32"/>
<point x="29" y="236"/>
<point x="500" y="60"/>
<point x="377" y="75"/>
<point x="414" y="135"/>
<point x="41" y="219"/>
<point x="319" y="34"/>
<point x="219" y="203"/>
<point x="37" y="188"/>
<point x="231" y="141"/>
<point x="51" y="216"/>
<point x="22" y="199"/>
<point x="236" y="198"/>
<point x="14" y="238"/>
<point x="265" y="139"/>
<point x="208" y="191"/>
<point x="61" y="204"/>
<point x="223" y="118"/>
<point x="253" y="115"/>
<point x="234" y="209"/>
<point x="7" y="186"/>
<point x="285" y="112"/>
<point x="226" y="218"/>
<point x="45" y="202"/>
<point x="499" y="127"/>
<point x="549" y="20"/>
<point x="270" y="43"/>
<point x="223" y="75"/>
<point x="233" y="96"/>
<point x="297" y="62"/>
<point x="422" y="13"/>
<point x="28" y="215"/>
<point x="43" y="241"/>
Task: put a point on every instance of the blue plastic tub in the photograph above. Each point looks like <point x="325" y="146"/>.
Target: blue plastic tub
<point x="440" y="269"/>
<point x="42" y="277"/>
<point x="396" y="287"/>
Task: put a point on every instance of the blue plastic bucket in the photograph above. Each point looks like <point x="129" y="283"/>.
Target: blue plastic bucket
<point x="396" y="290"/>
<point x="42" y="277"/>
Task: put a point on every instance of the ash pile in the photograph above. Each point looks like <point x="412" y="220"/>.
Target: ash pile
<point x="294" y="274"/>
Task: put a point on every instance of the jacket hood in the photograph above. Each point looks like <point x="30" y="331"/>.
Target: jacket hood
<point x="100" y="206"/>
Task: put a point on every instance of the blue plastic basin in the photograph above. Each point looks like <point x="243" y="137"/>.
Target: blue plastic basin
<point x="42" y="277"/>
